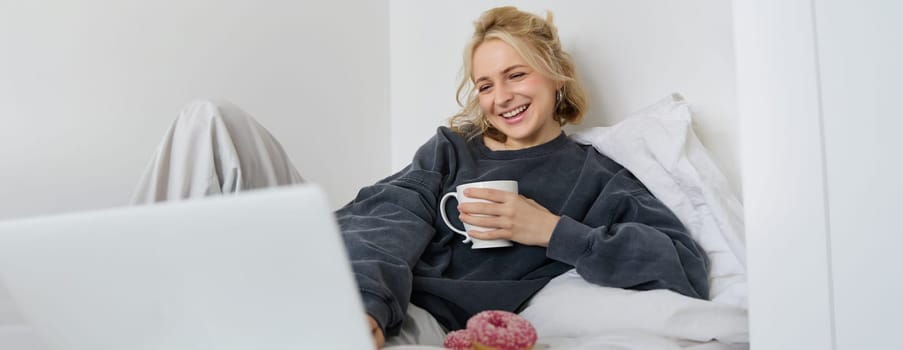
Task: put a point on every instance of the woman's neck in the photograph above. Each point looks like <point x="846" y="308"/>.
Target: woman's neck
<point x="512" y="145"/>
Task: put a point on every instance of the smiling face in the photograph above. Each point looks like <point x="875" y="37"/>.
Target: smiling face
<point x="517" y="100"/>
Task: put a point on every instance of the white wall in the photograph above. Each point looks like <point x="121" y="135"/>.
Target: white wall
<point x="818" y="83"/>
<point x="783" y="181"/>
<point x="87" y="89"/>
<point x="629" y="54"/>
<point x="861" y="78"/>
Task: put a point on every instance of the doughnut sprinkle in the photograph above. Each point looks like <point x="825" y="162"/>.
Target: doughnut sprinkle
<point x="459" y="340"/>
<point x="501" y="330"/>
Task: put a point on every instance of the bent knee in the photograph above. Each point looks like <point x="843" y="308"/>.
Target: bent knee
<point x="203" y="112"/>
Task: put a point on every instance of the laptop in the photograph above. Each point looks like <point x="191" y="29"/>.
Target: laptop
<point x="258" y="270"/>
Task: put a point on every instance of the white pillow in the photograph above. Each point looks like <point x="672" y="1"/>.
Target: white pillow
<point x="658" y="145"/>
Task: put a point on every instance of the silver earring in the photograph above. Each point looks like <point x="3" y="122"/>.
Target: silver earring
<point x="558" y="97"/>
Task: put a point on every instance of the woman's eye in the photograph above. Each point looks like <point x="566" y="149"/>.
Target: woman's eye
<point x="484" y="88"/>
<point x="518" y="75"/>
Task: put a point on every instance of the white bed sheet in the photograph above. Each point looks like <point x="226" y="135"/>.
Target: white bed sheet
<point x="571" y="312"/>
<point x="614" y="341"/>
<point x="629" y="341"/>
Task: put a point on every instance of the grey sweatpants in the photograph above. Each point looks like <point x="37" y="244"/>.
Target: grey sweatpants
<point x="215" y="148"/>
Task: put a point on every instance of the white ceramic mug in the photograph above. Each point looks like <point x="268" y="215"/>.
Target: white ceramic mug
<point x="504" y="185"/>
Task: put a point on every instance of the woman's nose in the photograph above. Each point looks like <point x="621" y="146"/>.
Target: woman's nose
<point x="503" y="95"/>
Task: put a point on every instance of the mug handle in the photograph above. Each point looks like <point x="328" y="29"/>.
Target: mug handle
<point x="445" y="216"/>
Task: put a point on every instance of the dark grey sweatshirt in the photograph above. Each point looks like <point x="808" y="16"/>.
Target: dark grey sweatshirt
<point x="612" y="230"/>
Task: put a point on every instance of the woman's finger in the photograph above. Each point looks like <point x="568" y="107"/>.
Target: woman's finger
<point x="378" y="338"/>
<point x="482" y="208"/>
<point x="490" y="235"/>
<point x="489" y="194"/>
<point x="501" y="222"/>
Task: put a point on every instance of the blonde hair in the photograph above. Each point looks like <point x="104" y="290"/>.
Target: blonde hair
<point x="536" y="41"/>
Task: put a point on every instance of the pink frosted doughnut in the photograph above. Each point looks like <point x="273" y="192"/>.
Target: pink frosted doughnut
<point x="459" y="340"/>
<point x="501" y="330"/>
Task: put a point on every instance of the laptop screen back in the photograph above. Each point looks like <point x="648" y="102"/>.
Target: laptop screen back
<point x="264" y="270"/>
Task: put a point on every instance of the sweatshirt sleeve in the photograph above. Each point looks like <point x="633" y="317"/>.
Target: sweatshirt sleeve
<point x="385" y="229"/>
<point x="629" y="239"/>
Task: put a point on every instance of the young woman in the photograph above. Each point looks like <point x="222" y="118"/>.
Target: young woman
<point x="418" y="280"/>
<point x="576" y="208"/>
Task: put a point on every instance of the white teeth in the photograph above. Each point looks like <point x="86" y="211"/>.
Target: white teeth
<point x="514" y="112"/>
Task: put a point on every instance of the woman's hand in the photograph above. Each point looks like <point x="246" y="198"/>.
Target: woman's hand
<point x="378" y="338"/>
<point x="514" y="217"/>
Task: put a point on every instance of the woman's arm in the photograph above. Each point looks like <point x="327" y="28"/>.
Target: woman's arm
<point x="627" y="239"/>
<point x="385" y="229"/>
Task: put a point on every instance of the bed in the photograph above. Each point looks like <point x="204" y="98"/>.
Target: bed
<point x="629" y="54"/>
<point x="659" y="145"/>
